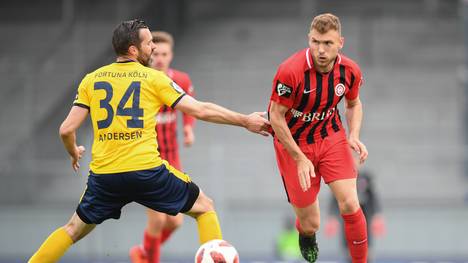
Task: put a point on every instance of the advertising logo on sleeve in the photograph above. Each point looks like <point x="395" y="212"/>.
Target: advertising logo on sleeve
<point x="177" y="87"/>
<point x="340" y="90"/>
<point x="283" y="90"/>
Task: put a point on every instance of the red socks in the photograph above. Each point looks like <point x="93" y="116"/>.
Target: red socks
<point x="165" y="235"/>
<point x="355" y="228"/>
<point x="152" y="246"/>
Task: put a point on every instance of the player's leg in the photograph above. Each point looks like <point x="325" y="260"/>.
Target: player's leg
<point x="55" y="246"/>
<point x="207" y="219"/>
<point x="168" y="190"/>
<point x="101" y="200"/>
<point x="307" y="224"/>
<point x="355" y="226"/>
<point x="159" y="228"/>
<point x="339" y="172"/>
<point x="172" y="224"/>
<point x="305" y="204"/>
<point x="150" y="251"/>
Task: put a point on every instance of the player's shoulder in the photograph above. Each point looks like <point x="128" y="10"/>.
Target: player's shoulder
<point x="350" y="64"/>
<point x="294" y="63"/>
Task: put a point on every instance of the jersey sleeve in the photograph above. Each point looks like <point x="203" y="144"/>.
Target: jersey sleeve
<point x="83" y="98"/>
<point x="188" y="88"/>
<point x="168" y="92"/>
<point x="356" y="83"/>
<point x="284" y="85"/>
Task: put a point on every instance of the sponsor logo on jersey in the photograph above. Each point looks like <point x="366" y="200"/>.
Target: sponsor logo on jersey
<point x="283" y="90"/>
<point x="340" y="90"/>
<point x="308" y="91"/>
<point x="311" y="116"/>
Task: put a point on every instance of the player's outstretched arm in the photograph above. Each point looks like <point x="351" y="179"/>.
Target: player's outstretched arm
<point x="254" y="122"/>
<point x="305" y="168"/>
<point x="353" y="113"/>
<point x="75" y="118"/>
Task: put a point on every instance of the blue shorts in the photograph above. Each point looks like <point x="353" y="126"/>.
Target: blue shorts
<point x="162" y="189"/>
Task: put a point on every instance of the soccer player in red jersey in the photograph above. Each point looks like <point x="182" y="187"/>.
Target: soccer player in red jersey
<point x="310" y="140"/>
<point x="160" y="226"/>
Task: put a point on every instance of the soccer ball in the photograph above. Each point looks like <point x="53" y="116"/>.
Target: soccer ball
<point x="217" y="251"/>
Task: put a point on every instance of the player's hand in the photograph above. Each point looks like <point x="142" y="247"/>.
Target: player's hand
<point x="378" y="226"/>
<point x="258" y="124"/>
<point x="331" y="227"/>
<point x="305" y="170"/>
<point x="79" y="150"/>
<point x="359" y="148"/>
<point x="189" y="136"/>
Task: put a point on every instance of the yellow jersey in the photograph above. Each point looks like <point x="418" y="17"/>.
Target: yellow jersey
<point x="123" y="99"/>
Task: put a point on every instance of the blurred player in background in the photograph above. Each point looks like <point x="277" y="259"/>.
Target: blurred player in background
<point x="160" y="226"/>
<point x="370" y="205"/>
<point x="123" y="99"/>
<point x="310" y="140"/>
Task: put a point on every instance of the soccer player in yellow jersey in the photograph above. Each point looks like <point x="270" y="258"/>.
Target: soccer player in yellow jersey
<point x="123" y="99"/>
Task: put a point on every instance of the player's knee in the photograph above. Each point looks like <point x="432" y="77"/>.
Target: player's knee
<point x="174" y="222"/>
<point x="348" y="205"/>
<point x="157" y="221"/>
<point x="204" y="204"/>
<point x="207" y="204"/>
<point x="73" y="231"/>
<point x="310" y="226"/>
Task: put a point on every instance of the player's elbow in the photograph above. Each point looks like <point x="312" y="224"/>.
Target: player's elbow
<point x="353" y="103"/>
<point x="66" y="130"/>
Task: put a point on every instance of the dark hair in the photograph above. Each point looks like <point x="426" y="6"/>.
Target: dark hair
<point x="126" y="34"/>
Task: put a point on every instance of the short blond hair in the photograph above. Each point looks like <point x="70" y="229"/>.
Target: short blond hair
<point x="326" y="22"/>
<point x="162" y="37"/>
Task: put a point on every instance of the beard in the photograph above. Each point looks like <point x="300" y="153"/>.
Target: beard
<point x="144" y="60"/>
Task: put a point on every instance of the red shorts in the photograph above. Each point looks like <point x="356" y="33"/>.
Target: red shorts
<point x="332" y="160"/>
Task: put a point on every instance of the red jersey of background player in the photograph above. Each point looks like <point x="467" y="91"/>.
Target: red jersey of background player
<point x="313" y="96"/>
<point x="166" y="121"/>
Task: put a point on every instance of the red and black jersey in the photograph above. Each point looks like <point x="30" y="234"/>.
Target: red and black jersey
<point x="166" y="119"/>
<point x="313" y="96"/>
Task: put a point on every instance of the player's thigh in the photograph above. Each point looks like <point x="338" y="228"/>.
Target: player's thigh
<point x="202" y="205"/>
<point x="77" y="229"/>
<point x="156" y="220"/>
<point x="164" y="189"/>
<point x="173" y="222"/>
<point x="288" y="170"/>
<point x="103" y="198"/>
<point x="336" y="160"/>
<point x="345" y="192"/>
